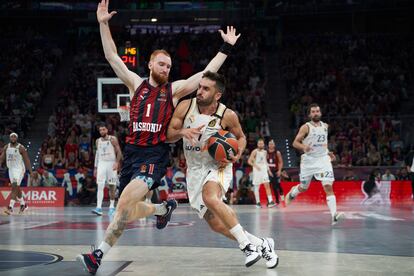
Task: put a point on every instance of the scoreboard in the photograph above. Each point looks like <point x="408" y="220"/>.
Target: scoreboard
<point x="129" y="56"/>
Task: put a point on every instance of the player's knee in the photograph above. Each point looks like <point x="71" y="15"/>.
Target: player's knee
<point x="210" y="200"/>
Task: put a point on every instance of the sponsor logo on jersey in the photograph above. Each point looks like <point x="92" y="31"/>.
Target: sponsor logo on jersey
<point x="143" y="168"/>
<point x="212" y="123"/>
<point x="141" y="126"/>
<point x="191" y="148"/>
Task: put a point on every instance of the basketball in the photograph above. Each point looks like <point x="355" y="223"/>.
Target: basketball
<point x="222" y="145"/>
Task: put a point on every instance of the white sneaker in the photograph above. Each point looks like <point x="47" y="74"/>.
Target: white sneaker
<point x="289" y="197"/>
<point x="252" y="254"/>
<point x="268" y="253"/>
<point x="337" y="217"/>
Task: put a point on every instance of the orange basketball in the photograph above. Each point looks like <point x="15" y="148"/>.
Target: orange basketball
<point x="222" y="145"/>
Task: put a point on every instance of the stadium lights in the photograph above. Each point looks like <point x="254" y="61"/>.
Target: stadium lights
<point x="154" y="19"/>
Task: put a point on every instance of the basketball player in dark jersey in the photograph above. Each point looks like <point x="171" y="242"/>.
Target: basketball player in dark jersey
<point x="275" y="162"/>
<point x="146" y="154"/>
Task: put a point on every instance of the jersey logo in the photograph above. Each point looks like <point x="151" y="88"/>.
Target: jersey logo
<point x="190" y="147"/>
<point x="143" y="168"/>
<point x="212" y="123"/>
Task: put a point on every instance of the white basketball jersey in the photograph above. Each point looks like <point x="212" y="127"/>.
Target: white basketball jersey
<point x="14" y="158"/>
<point x="412" y="166"/>
<point x="197" y="155"/>
<point x="105" y="150"/>
<point x="261" y="158"/>
<point x="317" y="140"/>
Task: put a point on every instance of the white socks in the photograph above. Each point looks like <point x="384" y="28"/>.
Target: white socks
<point x="331" y="201"/>
<point x="269" y="198"/>
<point x="160" y="209"/>
<point x="12" y="201"/>
<point x="295" y="191"/>
<point x="112" y="205"/>
<point x="241" y="237"/>
<point x="256" y="193"/>
<point x="100" y="195"/>
<point x="21" y="200"/>
<point x="104" y="247"/>
<point x="253" y="239"/>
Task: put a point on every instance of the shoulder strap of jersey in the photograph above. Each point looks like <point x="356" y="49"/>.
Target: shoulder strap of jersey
<point x="220" y="111"/>
<point x="191" y="107"/>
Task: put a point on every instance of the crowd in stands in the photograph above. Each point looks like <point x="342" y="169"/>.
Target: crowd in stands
<point x="27" y="62"/>
<point x="360" y="83"/>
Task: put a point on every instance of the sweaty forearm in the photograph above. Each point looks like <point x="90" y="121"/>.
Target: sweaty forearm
<point x="108" y="43"/>
<point x="216" y="62"/>
<point x="173" y="135"/>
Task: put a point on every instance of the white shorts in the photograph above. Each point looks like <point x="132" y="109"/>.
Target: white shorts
<point x="16" y="175"/>
<point x="105" y="173"/>
<point x="260" y="177"/>
<point x="318" y="167"/>
<point x="196" y="178"/>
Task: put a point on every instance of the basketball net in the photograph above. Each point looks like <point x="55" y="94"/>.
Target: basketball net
<point x="123" y="111"/>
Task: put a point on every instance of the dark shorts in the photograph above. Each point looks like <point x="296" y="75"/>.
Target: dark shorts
<point x="146" y="163"/>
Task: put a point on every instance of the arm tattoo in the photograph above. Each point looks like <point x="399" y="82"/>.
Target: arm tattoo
<point x="116" y="228"/>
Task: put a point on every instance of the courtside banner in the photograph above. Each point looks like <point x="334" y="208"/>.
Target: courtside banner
<point x="36" y="196"/>
<point x="355" y="192"/>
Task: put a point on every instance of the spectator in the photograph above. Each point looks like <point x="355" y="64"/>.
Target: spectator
<point x="285" y="176"/>
<point x="48" y="160"/>
<point x="87" y="194"/>
<point x="34" y="181"/>
<point x="403" y="174"/>
<point x="48" y="180"/>
<point x="374" y="157"/>
<point x="350" y="175"/>
<point x="388" y="176"/>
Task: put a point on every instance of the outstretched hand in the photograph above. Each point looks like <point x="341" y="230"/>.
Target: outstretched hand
<point x="102" y="12"/>
<point x="192" y="134"/>
<point x="230" y="36"/>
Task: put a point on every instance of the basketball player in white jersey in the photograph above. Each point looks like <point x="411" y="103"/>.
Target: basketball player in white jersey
<point x="107" y="158"/>
<point x="16" y="159"/>
<point x="258" y="160"/>
<point x="195" y="120"/>
<point x="316" y="159"/>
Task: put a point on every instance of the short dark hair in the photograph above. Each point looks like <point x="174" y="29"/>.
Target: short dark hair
<point x="219" y="79"/>
<point x="102" y="124"/>
<point x="311" y="106"/>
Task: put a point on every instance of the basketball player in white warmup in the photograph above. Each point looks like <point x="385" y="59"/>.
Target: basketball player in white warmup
<point x="316" y="159"/>
<point x="107" y="158"/>
<point x="16" y="158"/>
<point x="195" y="121"/>
<point x="258" y="160"/>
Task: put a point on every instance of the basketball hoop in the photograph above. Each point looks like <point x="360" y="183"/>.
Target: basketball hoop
<point x="123" y="111"/>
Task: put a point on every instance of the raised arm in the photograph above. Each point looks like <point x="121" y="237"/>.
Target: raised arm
<point x="129" y="78"/>
<point x="297" y="143"/>
<point x="182" y="88"/>
<point x="175" y="129"/>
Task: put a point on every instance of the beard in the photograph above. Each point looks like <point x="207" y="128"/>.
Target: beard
<point x="160" y="79"/>
<point x="204" y="102"/>
<point x="316" y="119"/>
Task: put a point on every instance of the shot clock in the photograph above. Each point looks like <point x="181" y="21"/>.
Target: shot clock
<point x="129" y="56"/>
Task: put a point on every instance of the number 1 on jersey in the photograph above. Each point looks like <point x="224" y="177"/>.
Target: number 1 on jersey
<point x="148" y="110"/>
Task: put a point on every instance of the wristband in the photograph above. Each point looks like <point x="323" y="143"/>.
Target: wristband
<point x="226" y="48"/>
